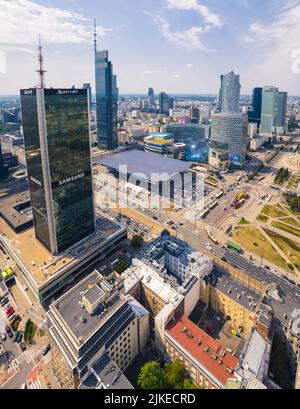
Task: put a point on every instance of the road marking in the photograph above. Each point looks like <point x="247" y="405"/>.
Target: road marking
<point x="47" y="358"/>
<point x="35" y="385"/>
<point x="15" y="364"/>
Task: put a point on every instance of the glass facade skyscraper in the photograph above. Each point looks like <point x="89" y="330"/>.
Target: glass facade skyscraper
<point x="106" y="99"/>
<point x="3" y="169"/>
<point x="255" y="114"/>
<point x="274" y="106"/>
<point x="58" y="156"/>
<point x="230" y="91"/>
<point x="164" y="103"/>
<point x="151" y="97"/>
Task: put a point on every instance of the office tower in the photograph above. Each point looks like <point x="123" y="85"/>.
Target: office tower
<point x="3" y="168"/>
<point x="89" y="89"/>
<point x="151" y="97"/>
<point x="58" y="156"/>
<point x="274" y="106"/>
<point x="195" y="114"/>
<point x="171" y="103"/>
<point x="164" y="103"/>
<point x="228" y="142"/>
<point x="229" y="97"/>
<point x="254" y="114"/>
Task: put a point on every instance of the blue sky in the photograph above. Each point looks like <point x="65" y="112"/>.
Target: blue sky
<point x="177" y="46"/>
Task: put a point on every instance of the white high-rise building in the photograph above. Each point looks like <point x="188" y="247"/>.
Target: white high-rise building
<point x="229" y="97"/>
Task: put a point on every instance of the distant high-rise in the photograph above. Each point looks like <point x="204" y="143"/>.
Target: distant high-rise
<point x="229" y="96"/>
<point x="254" y="115"/>
<point x="274" y="106"/>
<point x="89" y="89"/>
<point x="228" y="141"/>
<point x="151" y="97"/>
<point x="164" y="103"/>
<point x="58" y="156"/>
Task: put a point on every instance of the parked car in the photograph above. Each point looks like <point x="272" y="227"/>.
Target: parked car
<point x="46" y="350"/>
<point x="15" y="337"/>
<point x="19" y="339"/>
<point x="9" y="331"/>
<point x="23" y="346"/>
<point x="3" y="337"/>
<point x="12" y="317"/>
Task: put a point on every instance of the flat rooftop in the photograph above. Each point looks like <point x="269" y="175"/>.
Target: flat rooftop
<point x="234" y="289"/>
<point x="106" y="374"/>
<point x="146" y="163"/>
<point x="77" y="319"/>
<point x="194" y="340"/>
<point x="40" y="263"/>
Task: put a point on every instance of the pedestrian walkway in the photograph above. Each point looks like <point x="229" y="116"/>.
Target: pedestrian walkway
<point x="47" y="358"/>
<point x="15" y="364"/>
<point x="35" y="385"/>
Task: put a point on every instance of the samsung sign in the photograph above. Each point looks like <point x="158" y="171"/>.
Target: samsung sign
<point x="71" y="179"/>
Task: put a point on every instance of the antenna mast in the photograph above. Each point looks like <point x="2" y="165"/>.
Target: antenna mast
<point x="95" y="36"/>
<point x="41" y="70"/>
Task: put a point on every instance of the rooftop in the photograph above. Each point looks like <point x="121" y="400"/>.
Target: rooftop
<point x="145" y="163"/>
<point x="106" y="375"/>
<point x="196" y="342"/>
<point x="71" y="310"/>
<point x="40" y="263"/>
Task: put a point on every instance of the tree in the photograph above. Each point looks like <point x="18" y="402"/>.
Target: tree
<point x="175" y="375"/>
<point x="137" y="241"/>
<point x="188" y="384"/>
<point x="152" y="376"/>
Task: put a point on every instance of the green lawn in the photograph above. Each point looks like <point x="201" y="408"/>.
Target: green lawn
<point x="286" y="228"/>
<point x="262" y="218"/>
<point x="253" y="241"/>
<point x="289" y="247"/>
<point x="273" y="211"/>
<point x="243" y="222"/>
<point x="290" y="220"/>
<point x="292" y="181"/>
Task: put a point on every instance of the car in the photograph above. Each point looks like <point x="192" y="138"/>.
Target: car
<point x="267" y="268"/>
<point x="10" y="313"/>
<point x="4" y="301"/>
<point x="6" y="305"/>
<point x="19" y="339"/>
<point x="9" y="309"/>
<point x="23" y="346"/>
<point x="12" y="317"/>
<point x="46" y="350"/>
<point x="3" y="337"/>
<point x="24" y="386"/>
<point x="15" y="337"/>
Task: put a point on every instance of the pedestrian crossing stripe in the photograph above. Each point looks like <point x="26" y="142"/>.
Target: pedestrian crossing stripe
<point x="35" y="385"/>
<point x="17" y="361"/>
<point x="47" y="358"/>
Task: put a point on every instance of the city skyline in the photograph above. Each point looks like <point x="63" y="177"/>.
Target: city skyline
<point x="193" y="43"/>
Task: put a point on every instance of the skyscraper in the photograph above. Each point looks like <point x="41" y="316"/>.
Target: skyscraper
<point x="229" y="96"/>
<point x="89" y="88"/>
<point x="106" y="93"/>
<point x="151" y="97"/>
<point x="58" y="156"/>
<point x="254" y="115"/>
<point x="228" y="142"/>
<point x="164" y="103"/>
<point x="274" y="106"/>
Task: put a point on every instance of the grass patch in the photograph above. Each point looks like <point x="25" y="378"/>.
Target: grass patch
<point x="243" y="222"/>
<point x="262" y="218"/>
<point x="286" y="228"/>
<point x="121" y="266"/>
<point x="29" y="333"/>
<point x="289" y="247"/>
<point x="290" y="220"/>
<point x="15" y="324"/>
<point x="273" y="211"/>
<point x="292" y="181"/>
<point x="253" y="241"/>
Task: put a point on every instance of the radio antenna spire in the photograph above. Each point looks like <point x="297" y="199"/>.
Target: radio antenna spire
<point x="41" y="70"/>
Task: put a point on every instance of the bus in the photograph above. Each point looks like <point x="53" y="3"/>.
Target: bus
<point x="275" y="187"/>
<point x="211" y="236"/>
<point x="233" y="247"/>
<point x="214" y="205"/>
<point x="240" y="196"/>
<point x="204" y="214"/>
<point x="219" y="195"/>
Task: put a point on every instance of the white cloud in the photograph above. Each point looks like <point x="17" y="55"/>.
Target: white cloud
<point x="22" y="21"/>
<point x="174" y="76"/>
<point x="208" y="16"/>
<point x="189" y="66"/>
<point x="188" y="39"/>
<point x="154" y="72"/>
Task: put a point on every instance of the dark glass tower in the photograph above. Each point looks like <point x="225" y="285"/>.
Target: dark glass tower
<point x="255" y="114"/>
<point x="106" y="91"/>
<point x="58" y="155"/>
<point x="3" y="169"/>
<point x="164" y="103"/>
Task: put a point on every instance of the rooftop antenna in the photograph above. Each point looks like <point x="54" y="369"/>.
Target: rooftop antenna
<point x="95" y="36"/>
<point x="41" y="70"/>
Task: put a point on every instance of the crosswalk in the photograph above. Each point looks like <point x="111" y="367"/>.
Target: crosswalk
<point x="47" y="358"/>
<point x="15" y="364"/>
<point x="35" y="385"/>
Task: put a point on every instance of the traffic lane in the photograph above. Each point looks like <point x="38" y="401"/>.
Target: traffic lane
<point x="21" y="377"/>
